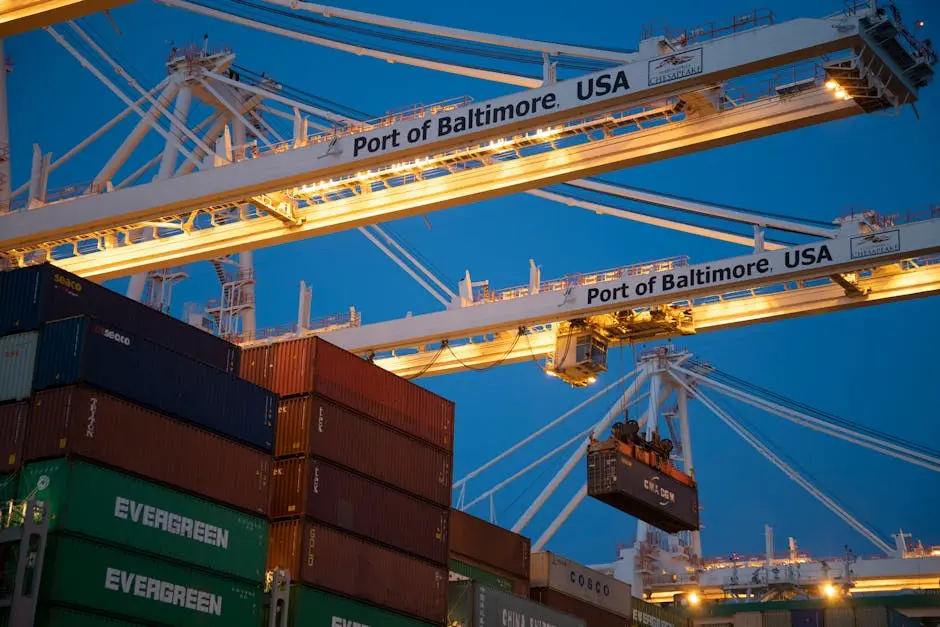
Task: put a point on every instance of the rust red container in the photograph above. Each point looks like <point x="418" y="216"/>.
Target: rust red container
<point x="312" y="365"/>
<point x="84" y="422"/>
<point x="344" y="499"/>
<point x="327" y="558"/>
<point x="12" y="434"/>
<point x="592" y="615"/>
<point x="257" y="365"/>
<point x="489" y="544"/>
<point x="312" y="425"/>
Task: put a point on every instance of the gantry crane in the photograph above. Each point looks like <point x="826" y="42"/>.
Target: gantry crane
<point x="670" y="97"/>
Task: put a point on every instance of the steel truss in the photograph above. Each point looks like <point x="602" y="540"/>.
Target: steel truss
<point x="669" y="369"/>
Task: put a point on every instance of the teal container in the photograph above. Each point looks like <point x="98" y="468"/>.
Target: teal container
<point x="8" y="485"/>
<point x="460" y="572"/>
<point x="310" y="607"/>
<point x="64" y="617"/>
<point x="98" y="578"/>
<point x="92" y="501"/>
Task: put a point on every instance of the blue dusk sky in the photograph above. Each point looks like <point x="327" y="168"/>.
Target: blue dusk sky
<point x="868" y="365"/>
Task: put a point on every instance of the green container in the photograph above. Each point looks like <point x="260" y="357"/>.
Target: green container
<point x="118" y="508"/>
<point x="64" y="617"/>
<point x="101" y="578"/>
<point x="310" y="607"/>
<point x="460" y="571"/>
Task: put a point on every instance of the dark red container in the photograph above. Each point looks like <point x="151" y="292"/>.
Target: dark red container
<point x="592" y="615"/>
<point x="339" y="562"/>
<point x="312" y="365"/>
<point x="84" y="422"/>
<point x="489" y="544"/>
<point x="257" y="365"/>
<point x="344" y="499"/>
<point x="312" y="425"/>
<point x="12" y="434"/>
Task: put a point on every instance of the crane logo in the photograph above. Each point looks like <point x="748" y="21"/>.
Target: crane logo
<point x="675" y="66"/>
<point x="875" y="244"/>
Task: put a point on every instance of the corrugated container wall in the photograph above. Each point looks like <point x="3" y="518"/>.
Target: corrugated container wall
<point x="840" y="617"/>
<point x="651" y="615"/>
<point x="257" y="365"/>
<point x="50" y="616"/>
<point x="618" y="480"/>
<point x="12" y="434"/>
<point x="310" y="607"/>
<point x="778" y="618"/>
<point x="80" y="421"/>
<point x="486" y="543"/>
<point x="315" y="426"/>
<point x="118" y="508"/>
<point x="881" y="616"/>
<point x="86" y="574"/>
<point x="312" y="365"/>
<point x="748" y="619"/>
<point x="461" y="571"/>
<point x="807" y="618"/>
<point x="84" y="349"/>
<point x="8" y="485"/>
<point x="592" y="615"/>
<point x="38" y="294"/>
<point x="17" y="364"/>
<point x="575" y="580"/>
<point x="337" y="561"/>
<point x="331" y="494"/>
<point x="470" y="603"/>
<point x="517" y="585"/>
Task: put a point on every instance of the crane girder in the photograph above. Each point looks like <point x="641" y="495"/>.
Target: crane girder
<point x="855" y="250"/>
<point x="660" y="72"/>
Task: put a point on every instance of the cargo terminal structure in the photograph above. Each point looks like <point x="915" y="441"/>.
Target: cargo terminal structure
<point x="217" y="195"/>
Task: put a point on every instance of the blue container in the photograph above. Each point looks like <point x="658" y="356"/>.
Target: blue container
<point x="35" y="295"/>
<point x="84" y="349"/>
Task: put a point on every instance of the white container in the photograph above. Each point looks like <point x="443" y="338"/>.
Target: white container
<point x="548" y="570"/>
<point x="17" y="363"/>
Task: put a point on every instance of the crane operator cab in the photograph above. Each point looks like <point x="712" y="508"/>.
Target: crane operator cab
<point x="580" y="355"/>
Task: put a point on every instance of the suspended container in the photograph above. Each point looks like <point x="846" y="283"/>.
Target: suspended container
<point x="38" y="294"/>
<point x="641" y="482"/>
<point x="117" y="508"/>
<point x="472" y="604"/>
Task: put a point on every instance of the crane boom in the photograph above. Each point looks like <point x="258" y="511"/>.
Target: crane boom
<point x="862" y="261"/>
<point x="353" y="155"/>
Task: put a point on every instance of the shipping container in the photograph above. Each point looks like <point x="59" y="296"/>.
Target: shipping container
<point x="84" y="422"/>
<point x="473" y="604"/>
<point x="12" y="435"/>
<point x="807" y="618"/>
<point x="257" y="365"/>
<point x="17" y="365"/>
<point x="310" y="607"/>
<point x="642" y="491"/>
<point x="461" y="571"/>
<point x="748" y="619"/>
<point x="342" y="563"/>
<point x="838" y="617"/>
<point x="344" y="499"/>
<point x="87" y="575"/>
<point x="555" y="572"/>
<point x="8" y="487"/>
<point x="489" y="544"/>
<point x="883" y="616"/>
<point x="316" y="426"/>
<point x="116" y="507"/>
<point x="83" y="349"/>
<point x="651" y="615"/>
<point x="38" y="294"/>
<point x="777" y="618"/>
<point x="591" y="614"/>
<point x="312" y="365"/>
<point x="51" y="616"/>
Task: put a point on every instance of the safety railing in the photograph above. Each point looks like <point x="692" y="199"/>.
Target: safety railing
<point x="570" y="280"/>
<point x="917" y="214"/>
<point x="709" y="30"/>
<point x="781" y="82"/>
<point x="333" y="322"/>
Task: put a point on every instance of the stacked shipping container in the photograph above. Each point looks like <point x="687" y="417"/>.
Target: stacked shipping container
<point x="150" y="457"/>
<point x="567" y="586"/>
<point x="482" y="548"/>
<point x="360" y="492"/>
